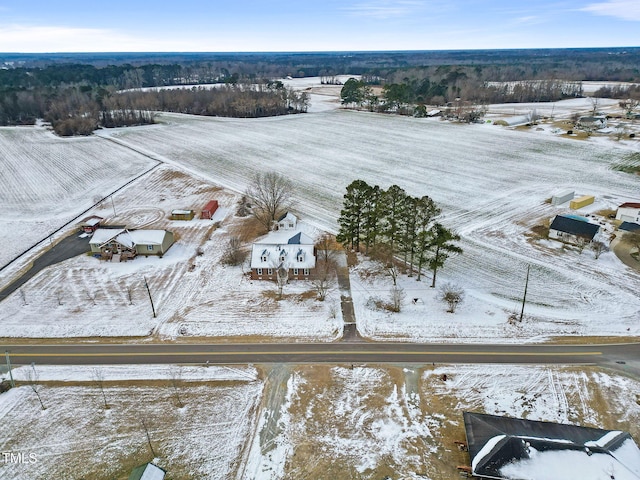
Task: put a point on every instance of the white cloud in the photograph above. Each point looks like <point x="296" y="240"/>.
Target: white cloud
<point x="624" y="9"/>
<point x="528" y="20"/>
<point x="39" y="39"/>
<point x="384" y="9"/>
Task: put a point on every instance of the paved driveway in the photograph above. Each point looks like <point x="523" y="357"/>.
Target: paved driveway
<point x="68" y="247"/>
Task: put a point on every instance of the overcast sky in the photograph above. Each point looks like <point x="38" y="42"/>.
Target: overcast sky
<point x="319" y="25"/>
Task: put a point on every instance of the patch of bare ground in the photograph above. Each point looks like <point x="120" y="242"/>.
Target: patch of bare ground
<point x="340" y="415"/>
<point x="352" y="258"/>
<point x="536" y="233"/>
<point x="246" y="228"/>
<point x="606" y="212"/>
<point x="450" y="429"/>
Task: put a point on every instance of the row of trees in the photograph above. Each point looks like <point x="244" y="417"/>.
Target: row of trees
<point x="411" y="96"/>
<point x="390" y="224"/>
<point x="80" y="110"/>
<point x="239" y="100"/>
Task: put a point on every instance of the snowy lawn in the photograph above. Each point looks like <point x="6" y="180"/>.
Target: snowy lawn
<point x="193" y="293"/>
<point x="76" y="437"/>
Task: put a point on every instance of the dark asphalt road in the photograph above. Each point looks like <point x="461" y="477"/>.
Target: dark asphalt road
<point x="68" y="247"/>
<point x="622" y="356"/>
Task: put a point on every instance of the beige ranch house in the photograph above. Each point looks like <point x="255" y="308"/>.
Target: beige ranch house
<point x="122" y="244"/>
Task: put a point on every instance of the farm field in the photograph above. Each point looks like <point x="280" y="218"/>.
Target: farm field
<point x="288" y="422"/>
<point x="47" y="181"/>
<point x="492" y="184"/>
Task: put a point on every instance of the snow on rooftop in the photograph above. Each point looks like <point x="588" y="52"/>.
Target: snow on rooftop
<point x="486" y="451"/>
<point x="283" y="237"/>
<point x="147" y="237"/>
<point x="103" y="235"/>
<point x="602" y="442"/>
<point x="152" y="472"/>
<point x="567" y="464"/>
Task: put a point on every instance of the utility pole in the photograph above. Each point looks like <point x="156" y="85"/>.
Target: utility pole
<point x="150" y="299"/>
<point x="13" y="383"/>
<point x="114" y="206"/>
<point x="524" y="297"/>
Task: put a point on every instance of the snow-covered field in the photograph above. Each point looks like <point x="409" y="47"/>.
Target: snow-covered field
<point x="76" y="437"/>
<point x="46" y="181"/>
<point x="193" y="293"/>
<point x="332" y="421"/>
<point x="491" y="183"/>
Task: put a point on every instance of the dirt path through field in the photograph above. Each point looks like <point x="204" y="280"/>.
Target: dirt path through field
<point x="622" y="249"/>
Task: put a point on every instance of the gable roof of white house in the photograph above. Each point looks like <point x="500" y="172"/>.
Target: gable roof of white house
<point x="127" y="238"/>
<point x="296" y="248"/>
<point x="288" y="221"/>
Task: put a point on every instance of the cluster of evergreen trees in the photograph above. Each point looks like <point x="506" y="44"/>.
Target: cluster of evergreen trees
<point x="390" y="224"/>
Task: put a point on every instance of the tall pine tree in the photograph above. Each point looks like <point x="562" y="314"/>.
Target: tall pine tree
<point x="442" y="247"/>
<point x="351" y="215"/>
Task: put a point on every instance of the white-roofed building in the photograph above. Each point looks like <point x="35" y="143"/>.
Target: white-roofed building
<point x="288" y="221"/>
<point x="122" y="244"/>
<point x="148" y="471"/>
<point x="293" y="251"/>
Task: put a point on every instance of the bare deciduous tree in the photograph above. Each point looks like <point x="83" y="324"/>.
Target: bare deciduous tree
<point x="98" y="378"/>
<point x="598" y="248"/>
<point x="629" y="105"/>
<point x="397" y="296"/>
<point x="233" y="253"/>
<point x="595" y="104"/>
<point x="33" y="380"/>
<point x="325" y="271"/>
<point x="59" y="297"/>
<point x="282" y="277"/>
<point x="452" y="295"/>
<point x="130" y="289"/>
<point x="270" y="195"/>
<point x="91" y="296"/>
<point x="175" y="378"/>
<point x="581" y="242"/>
<point x="619" y="131"/>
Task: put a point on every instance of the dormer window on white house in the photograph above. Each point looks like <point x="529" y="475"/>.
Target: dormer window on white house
<point x="283" y="255"/>
<point x="264" y="255"/>
<point x="301" y="256"/>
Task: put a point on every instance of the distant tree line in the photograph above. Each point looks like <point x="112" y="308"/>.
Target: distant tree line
<point x="228" y="100"/>
<point x="79" y="110"/>
<point x="406" y="91"/>
<point x="82" y="86"/>
<point x="390" y="224"/>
